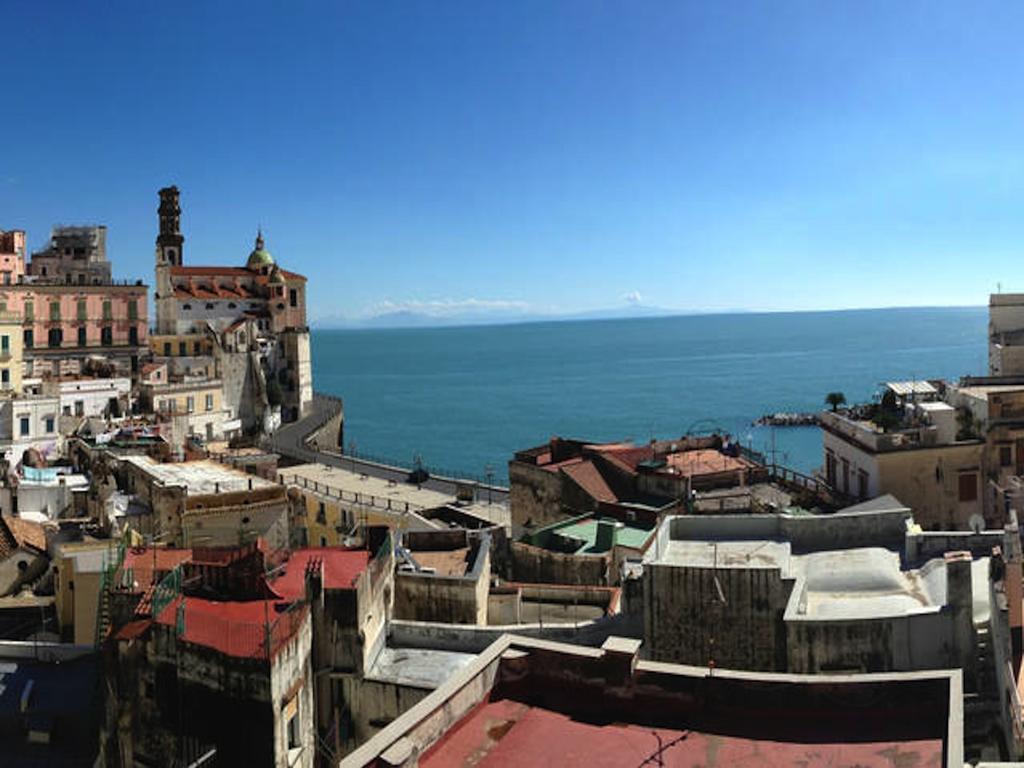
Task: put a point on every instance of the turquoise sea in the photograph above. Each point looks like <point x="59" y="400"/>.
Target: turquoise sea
<point x="465" y="398"/>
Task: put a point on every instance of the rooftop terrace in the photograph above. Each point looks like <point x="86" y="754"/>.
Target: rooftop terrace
<point x="199" y="477"/>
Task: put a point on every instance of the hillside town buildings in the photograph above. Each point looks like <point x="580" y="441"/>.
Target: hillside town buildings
<point x="192" y="573"/>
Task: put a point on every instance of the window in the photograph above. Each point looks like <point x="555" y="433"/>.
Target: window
<point x="107" y="312"/>
<point x="82" y="336"/>
<point x="49" y="425"/>
<point x="968" y="486"/>
<point x="28" y="337"/>
<point x="55" y="310"/>
<point x="190" y="403"/>
<point x="1005" y="455"/>
<point x="133" y="309"/>
<point x="167" y="349"/>
<point x="23" y="426"/>
<point x="30" y="310"/>
<point x="209" y="402"/>
<point x="55" y="337"/>
<point x="106" y="336"/>
<point x="323" y="541"/>
<point x="321" y="514"/>
<point x="133" y="336"/>
<point x="82" y="310"/>
<point x="209" y="305"/>
<point x="66" y="410"/>
<point x="182" y="348"/>
<point x="79" y="407"/>
<point x="231" y="305"/>
<point x="186" y="307"/>
<point x="5" y="378"/>
<point x="280" y="306"/>
<point x="7" y="278"/>
<point x="5" y="345"/>
<point x="862" y="484"/>
<point x="293" y="297"/>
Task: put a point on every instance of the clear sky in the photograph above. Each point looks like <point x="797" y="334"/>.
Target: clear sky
<point x="557" y="156"/>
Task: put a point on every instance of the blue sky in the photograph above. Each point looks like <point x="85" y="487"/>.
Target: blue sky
<point x="544" y="156"/>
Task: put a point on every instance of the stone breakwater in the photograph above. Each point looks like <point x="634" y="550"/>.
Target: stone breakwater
<point x="787" y="420"/>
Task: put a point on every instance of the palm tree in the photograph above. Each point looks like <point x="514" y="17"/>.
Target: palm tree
<point x="835" y="399"/>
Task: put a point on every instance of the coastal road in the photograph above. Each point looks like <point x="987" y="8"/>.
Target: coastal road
<point x="290" y="441"/>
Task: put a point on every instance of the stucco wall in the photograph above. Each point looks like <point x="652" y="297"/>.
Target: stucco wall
<point x="686" y="621"/>
<point x="534" y="564"/>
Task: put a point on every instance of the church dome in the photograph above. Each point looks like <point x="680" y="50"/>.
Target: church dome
<point x="260" y="257"/>
<point x="275" y="274"/>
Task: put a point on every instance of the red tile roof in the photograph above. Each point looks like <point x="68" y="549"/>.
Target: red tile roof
<point x="705" y="461"/>
<point x="16" y="533"/>
<point x="189" y="271"/>
<point x="513" y="734"/>
<point x="184" y="271"/>
<point x="341" y="569"/>
<point x="144" y="562"/>
<point x="239" y="629"/>
<point x="589" y="478"/>
<point x="133" y="629"/>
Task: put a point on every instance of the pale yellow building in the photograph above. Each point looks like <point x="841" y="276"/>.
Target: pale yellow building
<point x="78" y="571"/>
<point x="338" y="502"/>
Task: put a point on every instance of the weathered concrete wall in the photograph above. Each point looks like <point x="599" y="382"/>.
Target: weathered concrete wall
<point x="891" y="644"/>
<point x="922" y="546"/>
<point x="373" y="704"/>
<point x="291" y="687"/>
<point x="453" y="599"/>
<point x="504" y="606"/>
<point x="805" y="533"/>
<point x="686" y="621"/>
<point x="535" y="497"/>
<point x="537" y="565"/>
<point x="472" y="639"/>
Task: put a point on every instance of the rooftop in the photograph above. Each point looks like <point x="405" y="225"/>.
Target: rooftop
<point x="510" y="733"/>
<point x="378" y="492"/>
<point x="199" y="477"/>
<point x="627" y="534"/>
<point x="341" y="569"/>
<point x="526" y="702"/>
<point x="417" y="667"/>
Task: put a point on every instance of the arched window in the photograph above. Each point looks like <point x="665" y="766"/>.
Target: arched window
<point x="209" y="305"/>
<point x="231" y="305"/>
<point x="186" y="307"/>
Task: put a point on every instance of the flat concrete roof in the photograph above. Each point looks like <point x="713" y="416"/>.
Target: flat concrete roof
<point x="199" y="477"/>
<point x="334" y="479"/>
<point x="417" y="667"/>
<point x="857" y="583"/>
<point x="727" y="554"/>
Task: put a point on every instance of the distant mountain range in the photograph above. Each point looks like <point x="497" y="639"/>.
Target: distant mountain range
<point x="412" y="319"/>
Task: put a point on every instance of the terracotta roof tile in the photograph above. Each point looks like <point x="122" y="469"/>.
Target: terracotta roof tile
<point x="26" y="533"/>
<point x="587" y="476"/>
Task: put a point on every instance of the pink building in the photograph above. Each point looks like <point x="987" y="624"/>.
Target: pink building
<point x="64" y="324"/>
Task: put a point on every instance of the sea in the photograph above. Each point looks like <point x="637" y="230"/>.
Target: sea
<point x="462" y="400"/>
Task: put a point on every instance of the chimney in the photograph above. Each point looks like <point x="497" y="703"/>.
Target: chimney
<point x="960" y="603"/>
<point x="620" y="655"/>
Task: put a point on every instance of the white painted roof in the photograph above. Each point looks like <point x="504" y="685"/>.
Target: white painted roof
<point x="905" y="388"/>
